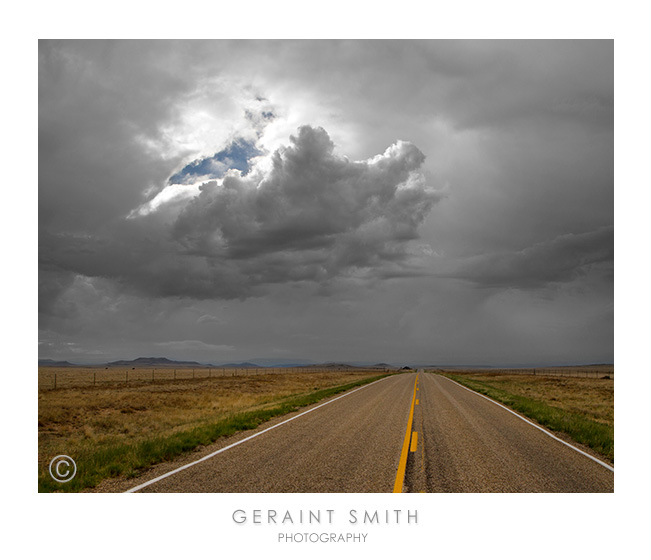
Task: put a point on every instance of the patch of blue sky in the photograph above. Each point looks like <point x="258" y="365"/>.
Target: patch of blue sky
<point x="235" y="156"/>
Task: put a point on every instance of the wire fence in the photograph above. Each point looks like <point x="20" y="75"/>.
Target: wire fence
<point x="596" y="372"/>
<point x="50" y="378"/>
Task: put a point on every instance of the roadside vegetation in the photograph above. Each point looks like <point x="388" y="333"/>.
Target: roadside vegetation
<point x="121" y="430"/>
<point x="581" y="408"/>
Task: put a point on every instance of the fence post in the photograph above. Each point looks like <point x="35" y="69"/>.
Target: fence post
<point x="55" y="379"/>
<point x="94" y="378"/>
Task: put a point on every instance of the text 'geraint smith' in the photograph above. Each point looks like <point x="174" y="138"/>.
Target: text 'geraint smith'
<point x="372" y="517"/>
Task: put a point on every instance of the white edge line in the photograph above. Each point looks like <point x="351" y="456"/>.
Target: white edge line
<point x="161" y="477"/>
<point x="533" y="424"/>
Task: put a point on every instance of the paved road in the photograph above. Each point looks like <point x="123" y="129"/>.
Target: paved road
<point x="355" y="443"/>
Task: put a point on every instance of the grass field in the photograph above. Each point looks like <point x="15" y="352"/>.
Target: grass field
<point x="78" y="376"/>
<point x="580" y="407"/>
<point x="117" y="428"/>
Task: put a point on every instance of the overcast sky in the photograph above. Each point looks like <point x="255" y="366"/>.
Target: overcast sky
<point x="385" y="201"/>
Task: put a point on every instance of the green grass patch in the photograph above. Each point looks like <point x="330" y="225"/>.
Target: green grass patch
<point x="596" y="435"/>
<point x="108" y="460"/>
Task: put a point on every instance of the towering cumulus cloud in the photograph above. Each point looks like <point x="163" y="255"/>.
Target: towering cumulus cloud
<point x="304" y="214"/>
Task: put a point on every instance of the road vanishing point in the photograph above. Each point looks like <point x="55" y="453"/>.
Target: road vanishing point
<point x="413" y="432"/>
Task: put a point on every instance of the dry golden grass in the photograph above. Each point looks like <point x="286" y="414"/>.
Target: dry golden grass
<point x="79" y="376"/>
<point x="596" y="371"/>
<point x="593" y="398"/>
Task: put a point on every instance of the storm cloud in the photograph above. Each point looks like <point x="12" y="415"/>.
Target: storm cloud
<point x="561" y="259"/>
<point x="330" y="200"/>
<point x="309" y="216"/>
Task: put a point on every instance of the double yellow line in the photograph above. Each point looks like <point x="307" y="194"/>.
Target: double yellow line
<point x="402" y="465"/>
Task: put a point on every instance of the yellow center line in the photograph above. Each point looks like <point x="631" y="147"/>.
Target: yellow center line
<point x="402" y="465"/>
<point x="414" y="441"/>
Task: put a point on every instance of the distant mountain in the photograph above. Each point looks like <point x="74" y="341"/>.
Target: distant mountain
<point x="292" y="365"/>
<point x="240" y="365"/>
<point x="153" y="362"/>
<point x="280" y="362"/>
<point x="54" y="363"/>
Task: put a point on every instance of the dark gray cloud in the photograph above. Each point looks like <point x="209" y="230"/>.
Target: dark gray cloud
<point x="310" y="201"/>
<point x="94" y="107"/>
<point x="561" y="259"/>
<point x="313" y="217"/>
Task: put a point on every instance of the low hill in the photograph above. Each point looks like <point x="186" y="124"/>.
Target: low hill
<point x="54" y="363"/>
<point x="149" y="362"/>
<point x="240" y="365"/>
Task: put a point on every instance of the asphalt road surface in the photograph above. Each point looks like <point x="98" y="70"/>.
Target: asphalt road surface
<point x="410" y="433"/>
